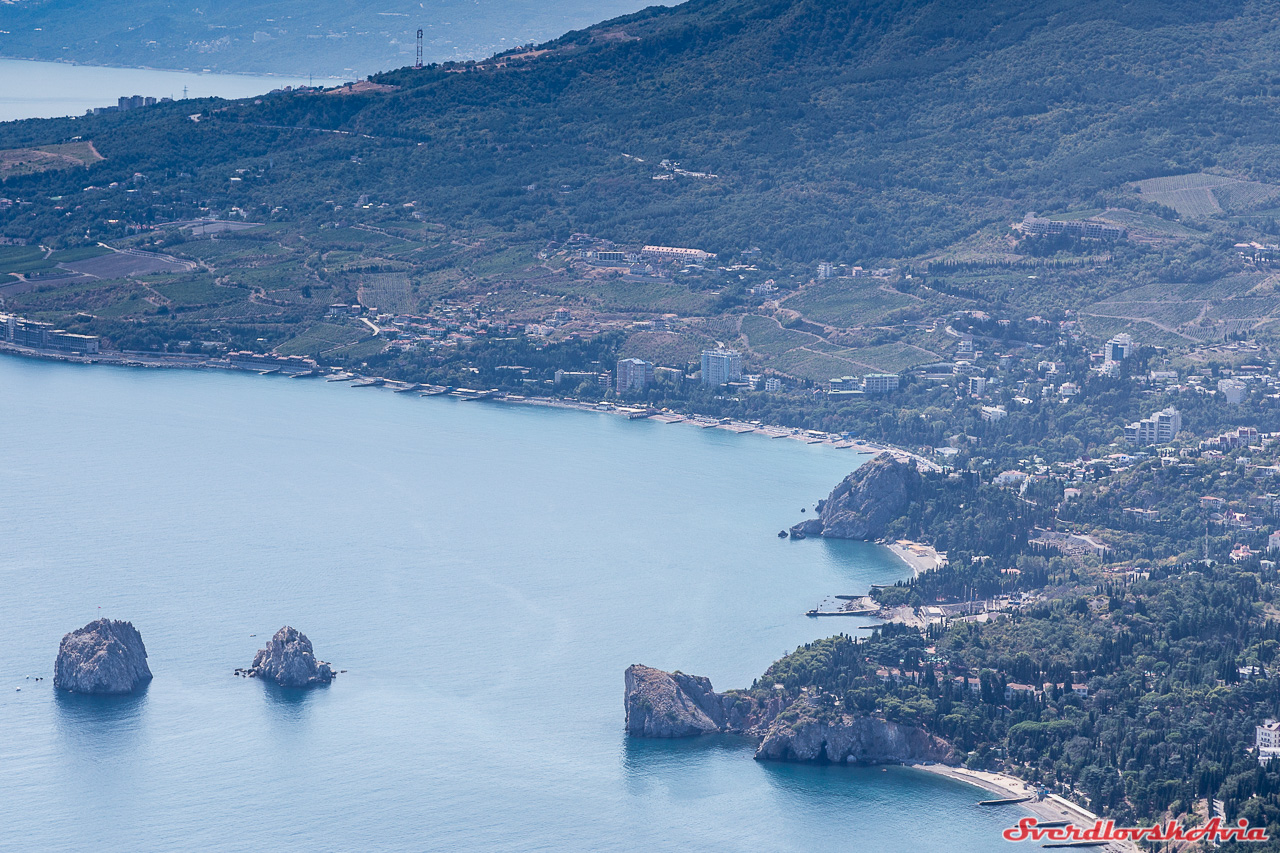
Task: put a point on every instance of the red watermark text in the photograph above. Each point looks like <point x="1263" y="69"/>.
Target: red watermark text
<point x="1029" y="829"/>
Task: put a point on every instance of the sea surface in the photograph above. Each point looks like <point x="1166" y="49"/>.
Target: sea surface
<point x="30" y="89"/>
<point x="483" y="572"/>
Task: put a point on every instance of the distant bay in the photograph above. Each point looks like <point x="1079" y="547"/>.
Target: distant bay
<point x="30" y="89"/>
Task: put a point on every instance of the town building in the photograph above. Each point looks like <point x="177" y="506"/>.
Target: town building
<point x="773" y="384"/>
<point x="1087" y="229"/>
<point x="826" y="270"/>
<point x="977" y="385"/>
<point x="575" y="377"/>
<point x="1119" y="348"/>
<point x="1160" y="428"/>
<point x="1233" y="390"/>
<point x="880" y="383"/>
<point x="29" y="333"/>
<point x="1267" y="738"/>
<point x="633" y="374"/>
<point x="721" y="366"/>
<point x="675" y="253"/>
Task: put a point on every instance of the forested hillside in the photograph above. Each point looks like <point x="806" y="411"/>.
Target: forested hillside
<point x="863" y="130"/>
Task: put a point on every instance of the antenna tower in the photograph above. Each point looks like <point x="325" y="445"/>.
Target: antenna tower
<point x="418" y="64"/>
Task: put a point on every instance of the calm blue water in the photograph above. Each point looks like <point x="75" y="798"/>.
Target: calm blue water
<point x="484" y="573"/>
<point x="30" y="89"/>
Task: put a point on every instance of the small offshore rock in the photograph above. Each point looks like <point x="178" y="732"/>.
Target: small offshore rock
<point x="104" y="657"/>
<point x="289" y="661"/>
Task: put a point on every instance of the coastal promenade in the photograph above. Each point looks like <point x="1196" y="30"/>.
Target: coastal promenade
<point x="204" y="362"/>
<point x="1051" y="808"/>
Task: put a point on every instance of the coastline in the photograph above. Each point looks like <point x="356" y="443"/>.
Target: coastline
<point x="670" y="416"/>
<point x="919" y="556"/>
<point x="1051" y="808"/>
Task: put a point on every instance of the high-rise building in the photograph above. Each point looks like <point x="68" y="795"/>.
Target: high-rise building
<point x="977" y="385"/>
<point x="1160" y="428"/>
<point x="1119" y="348"/>
<point x="720" y="366"/>
<point x="633" y="374"/>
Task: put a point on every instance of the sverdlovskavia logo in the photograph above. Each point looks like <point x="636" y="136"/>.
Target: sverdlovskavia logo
<point x="1028" y="829"/>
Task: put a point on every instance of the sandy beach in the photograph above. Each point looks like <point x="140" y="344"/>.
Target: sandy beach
<point x="917" y="555"/>
<point x="1050" y="808"/>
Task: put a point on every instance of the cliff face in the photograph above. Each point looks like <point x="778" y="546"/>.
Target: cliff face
<point x="866" y="501"/>
<point x="666" y="704"/>
<point x="103" y="657"/>
<point x="853" y="740"/>
<point x="670" y="704"/>
<point x="289" y="661"/>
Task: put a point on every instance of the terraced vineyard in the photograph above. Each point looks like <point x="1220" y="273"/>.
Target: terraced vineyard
<point x="1201" y="194"/>
<point x="1192" y="312"/>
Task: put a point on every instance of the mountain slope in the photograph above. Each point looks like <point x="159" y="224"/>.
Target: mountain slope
<point x="876" y="129"/>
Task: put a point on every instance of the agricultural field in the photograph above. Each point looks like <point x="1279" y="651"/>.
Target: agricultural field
<point x="808" y="356"/>
<point x="1187" y="312"/>
<point x="1202" y="195"/>
<point x="845" y="303"/>
<point x="666" y="347"/>
<point x="15" y="162"/>
<point x="322" y="338"/>
<point x="387" y="293"/>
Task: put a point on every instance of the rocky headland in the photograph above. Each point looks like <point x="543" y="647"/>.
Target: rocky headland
<point x="289" y="661"/>
<point x="866" y="502"/>
<point x="104" y="657"/>
<point x="671" y="704"/>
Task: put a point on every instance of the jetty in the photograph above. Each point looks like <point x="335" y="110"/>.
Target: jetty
<point x="1006" y="801"/>
<point x="816" y="612"/>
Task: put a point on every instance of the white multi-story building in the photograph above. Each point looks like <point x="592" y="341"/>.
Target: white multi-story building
<point x="773" y="384"/>
<point x="633" y="374"/>
<point x="1160" y="428"/>
<point x="1267" y="739"/>
<point x="977" y="385"/>
<point x="1233" y="389"/>
<point x="880" y="383"/>
<point x="720" y="366"/>
<point x="676" y="253"/>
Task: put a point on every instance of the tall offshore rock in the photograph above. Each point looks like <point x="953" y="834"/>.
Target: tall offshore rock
<point x="670" y="704"/>
<point x="104" y="657"/>
<point x="869" y="499"/>
<point x="289" y="661"/>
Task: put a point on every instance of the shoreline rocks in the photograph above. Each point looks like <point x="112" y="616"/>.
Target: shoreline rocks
<point x="289" y="661"/>
<point x="845" y="739"/>
<point x="673" y="705"/>
<point x="105" y="657"/>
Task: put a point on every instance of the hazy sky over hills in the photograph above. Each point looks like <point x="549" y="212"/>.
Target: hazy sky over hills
<point x="325" y="38"/>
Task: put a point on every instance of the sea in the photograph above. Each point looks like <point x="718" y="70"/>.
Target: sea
<point x="31" y="89"/>
<point x="482" y="573"/>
